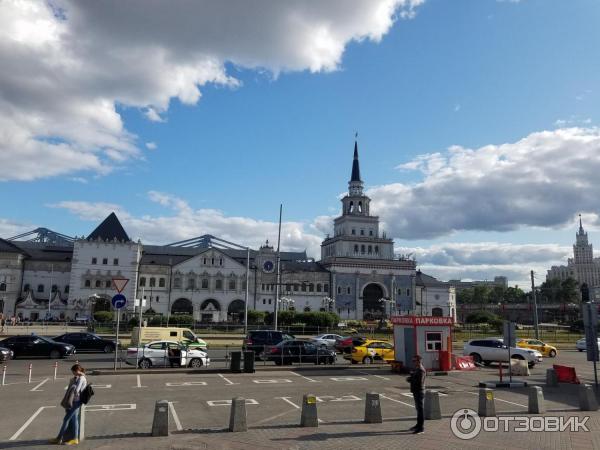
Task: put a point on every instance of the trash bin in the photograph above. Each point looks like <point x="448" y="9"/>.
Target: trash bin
<point x="236" y="362"/>
<point x="249" y="361"/>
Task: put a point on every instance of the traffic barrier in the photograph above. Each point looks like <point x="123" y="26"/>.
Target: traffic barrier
<point x="160" y="424"/>
<point x="487" y="404"/>
<point x="519" y="367"/>
<point x="464" y="363"/>
<point x="551" y="378"/>
<point x="536" y="403"/>
<point x="432" y="405"/>
<point x="373" y="408"/>
<point x="29" y="376"/>
<point x="309" y="416"/>
<point x="587" y="398"/>
<point x="566" y="374"/>
<point x="237" y="417"/>
<point x="3" y="374"/>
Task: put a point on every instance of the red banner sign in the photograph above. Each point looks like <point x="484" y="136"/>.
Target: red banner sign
<point x="422" y="320"/>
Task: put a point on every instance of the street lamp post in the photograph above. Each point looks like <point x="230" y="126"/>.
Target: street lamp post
<point x="327" y="303"/>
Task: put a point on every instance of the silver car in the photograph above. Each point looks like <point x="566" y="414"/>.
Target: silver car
<point x="581" y="345"/>
<point x="163" y="353"/>
<point x="326" y="340"/>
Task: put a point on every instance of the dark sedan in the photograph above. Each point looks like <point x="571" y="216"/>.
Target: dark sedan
<point x="87" y="342"/>
<point x="5" y="354"/>
<point x="28" y="346"/>
<point x="288" y="352"/>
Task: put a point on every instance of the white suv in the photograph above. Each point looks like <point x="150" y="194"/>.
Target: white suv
<point x="491" y="350"/>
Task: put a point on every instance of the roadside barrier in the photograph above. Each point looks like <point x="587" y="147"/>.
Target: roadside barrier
<point x="160" y="424"/>
<point x="309" y="417"/>
<point x="551" y="378"/>
<point x="464" y="363"/>
<point x="587" y="398"/>
<point x="237" y="417"/>
<point x="433" y="410"/>
<point x="373" y="408"/>
<point x="487" y="404"/>
<point x="566" y="374"/>
<point x="536" y="404"/>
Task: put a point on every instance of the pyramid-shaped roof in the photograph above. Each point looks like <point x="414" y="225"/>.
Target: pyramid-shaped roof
<point x="109" y="229"/>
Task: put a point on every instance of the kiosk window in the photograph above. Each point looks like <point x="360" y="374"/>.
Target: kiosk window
<point x="433" y="341"/>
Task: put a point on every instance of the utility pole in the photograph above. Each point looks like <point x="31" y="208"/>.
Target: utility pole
<point x="535" y="311"/>
<point x="278" y="268"/>
<point x="246" y="293"/>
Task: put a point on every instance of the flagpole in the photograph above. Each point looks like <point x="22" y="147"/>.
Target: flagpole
<point x="277" y="283"/>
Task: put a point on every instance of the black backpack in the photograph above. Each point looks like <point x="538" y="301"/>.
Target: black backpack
<point x="86" y="394"/>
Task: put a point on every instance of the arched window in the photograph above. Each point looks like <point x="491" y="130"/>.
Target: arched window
<point x="152" y="282"/>
<point x="377" y="249"/>
<point x="98" y="283"/>
<point x="232" y="284"/>
<point x="3" y="287"/>
<point x="26" y="288"/>
<point x="362" y="248"/>
<point x="40" y="288"/>
<point x="437" y="312"/>
<point x="142" y="281"/>
<point x="348" y="290"/>
<point x="107" y="284"/>
<point x="88" y="283"/>
<point x="359" y="207"/>
<point x="177" y="283"/>
<point x="339" y="290"/>
<point x="191" y="283"/>
<point x="370" y="249"/>
<point x="307" y="309"/>
<point x="355" y="248"/>
<point x="351" y="207"/>
<point x="204" y="283"/>
<point x="319" y="287"/>
<point x="219" y="284"/>
<point x="161" y="282"/>
<point x="311" y="287"/>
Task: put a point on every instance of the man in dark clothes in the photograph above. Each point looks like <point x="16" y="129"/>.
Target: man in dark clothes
<point x="417" y="387"/>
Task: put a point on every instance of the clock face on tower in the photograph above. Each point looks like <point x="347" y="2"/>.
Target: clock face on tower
<point x="268" y="266"/>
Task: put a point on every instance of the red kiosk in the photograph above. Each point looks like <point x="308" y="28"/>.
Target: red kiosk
<point x="428" y="336"/>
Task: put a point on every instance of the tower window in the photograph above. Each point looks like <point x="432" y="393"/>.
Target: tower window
<point x="88" y="283"/>
<point x="115" y="261"/>
<point x="94" y="260"/>
<point x="356" y="248"/>
<point x="161" y="282"/>
<point x="105" y="261"/>
<point x="362" y="248"/>
<point x="362" y="232"/>
<point x="370" y="249"/>
<point x="143" y="281"/>
<point x="348" y="290"/>
<point x="339" y="290"/>
<point x="98" y="283"/>
<point x="204" y="283"/>
<point x="152" y="282"/>
<point x="353" y="231"/>
<point x="370" y="232"/>
<point x="107" y="284"/>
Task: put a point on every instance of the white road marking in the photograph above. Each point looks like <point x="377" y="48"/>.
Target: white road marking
<point x="35" y="389"/>
<point x="383" y="378"/>
<point x="26" y="424"/>
<point x="249" y="401"/>
<point x="229" y="382"/>
<point x="287" y="400"/>
<point x="332" y="398"/>
<point x="273" y="381"/>
<point x="397" y="401"/>
<point x="175" y="417"/>
<point x="117" y="407"/>
<point x="348" y="379"/>
<point x="187" y="383"/>
<point x="139" y="382"/>
<point x="441" y="394"/>
<point x="102" y="386"/>
<point x="499" y="399"/>
<point x="306" y="378"/>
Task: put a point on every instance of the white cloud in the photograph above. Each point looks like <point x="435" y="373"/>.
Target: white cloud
<point x="151" y="145"/>
<point x="10" y="228"/>
<point x="67" y="64"/>
<point x="542" y="180"/>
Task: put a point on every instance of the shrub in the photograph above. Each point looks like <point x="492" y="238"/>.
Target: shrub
<point x="256" y="317"/>
<point x="181" y="319"/>
<point x="103" y="316"/>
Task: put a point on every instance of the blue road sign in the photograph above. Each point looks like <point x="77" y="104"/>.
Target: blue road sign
<point x="119" y="301"/>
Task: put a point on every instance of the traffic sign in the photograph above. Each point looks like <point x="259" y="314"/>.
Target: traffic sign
<point x="119" y="301"/>
<point x="120" y="283"/>
<point x="510" y="334"/>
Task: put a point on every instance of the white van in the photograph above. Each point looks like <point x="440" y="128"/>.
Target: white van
<point x="183" y="335"/>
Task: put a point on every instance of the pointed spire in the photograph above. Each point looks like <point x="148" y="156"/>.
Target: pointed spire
<point x="355" y="165"/>
<point x="110" y="228"/>
<point x="580" y="224"/>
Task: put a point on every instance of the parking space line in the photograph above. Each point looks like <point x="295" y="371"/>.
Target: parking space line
<point x="499" y="399"/>
<point x="139" y="382"/>
<point x="229" y="382"/>
<point x="26" y="424"/>
<point x="287" y="400"/>
<point x="35" y="389"/>
<point x="175" y="417"/>
<point x="397" y="401"/>
<point x="306" y="378"/>
<point x="378" y="376"/>
<point x="272" y="381"/>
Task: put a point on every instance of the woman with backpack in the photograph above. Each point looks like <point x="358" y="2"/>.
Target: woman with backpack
<point x="71" y="402"/>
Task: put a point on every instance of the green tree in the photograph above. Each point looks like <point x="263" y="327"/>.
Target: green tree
<point x="103" y="316"/>
<point x="514" y="295"/>
<point x="481" y="294"/>
<point x="569" y="291"/>
<point x="464" y="296"/>
<point x="550" y="290"/>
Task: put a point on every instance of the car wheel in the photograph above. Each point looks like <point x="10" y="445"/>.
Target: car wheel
<point x="552" y="353"/>
<point x="145" y="364"/>
<point x="196" y="363"/>
<point x="367" y="360"/>
<point x="476" y="358"/>
<point x="54" y="354"/>
<point x="108" y="349"/>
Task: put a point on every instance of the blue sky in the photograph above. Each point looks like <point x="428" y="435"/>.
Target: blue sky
<point x="454" y="73"/>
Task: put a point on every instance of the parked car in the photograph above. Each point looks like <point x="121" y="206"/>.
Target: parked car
<point x="291" y="351"/>
<point x="370" y="351"/>
<point x="160" y="353"/>
<point x="88" y="342"/>
<point x="345" y="344"/>
<point x="5" y="354"/>
<point x="32" y="345"/>
<point x="581" y="344"/>
<point x="326" y="340"/>
<point x="261" y="341"/>
<point x="536" y="344"/>
<point x="491" y="350"/>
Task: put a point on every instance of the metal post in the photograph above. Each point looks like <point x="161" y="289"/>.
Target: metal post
<point x="246" y="294"/>
<point x="51" y="280"/>
<point x="55" y="370"/>
<point x="535" y="311"/>
<point x="29" y="377"/>
<point x="278" y="278"/>
<point x="137" y="354"/>
<point x="3" y="375"/>
<point x="117" y="346"/>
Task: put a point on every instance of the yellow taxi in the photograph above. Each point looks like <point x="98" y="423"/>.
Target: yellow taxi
<point x="370" y="351"/>
<point x="536" y="344"/>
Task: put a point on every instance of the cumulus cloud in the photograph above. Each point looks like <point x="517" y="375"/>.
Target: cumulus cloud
<point x="10" y="228"/>
<point x="151" y="145"/>
<point x="67" y="65"/>
<point x="542" y="180"/>
<point x="184" y="222"/>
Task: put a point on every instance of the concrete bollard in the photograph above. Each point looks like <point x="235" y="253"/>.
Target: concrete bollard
<point x="537" y="404"/>
<point x="237" y="417"/>
<point x="551" y="378"/>
<point x="309" y="416"/>
<point x="160" y="424"/>
<point x="432" y="405"/>
<point x="29" y="374"/>
<point x="587" y="398"/>
<point x="487" y="405"/>
<point x="3" y="375"/>
<point x="82" y="423"/>
<point x="373" y="408"/>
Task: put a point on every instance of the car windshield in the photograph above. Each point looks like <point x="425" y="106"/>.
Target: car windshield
<point x="189" y="335"/>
